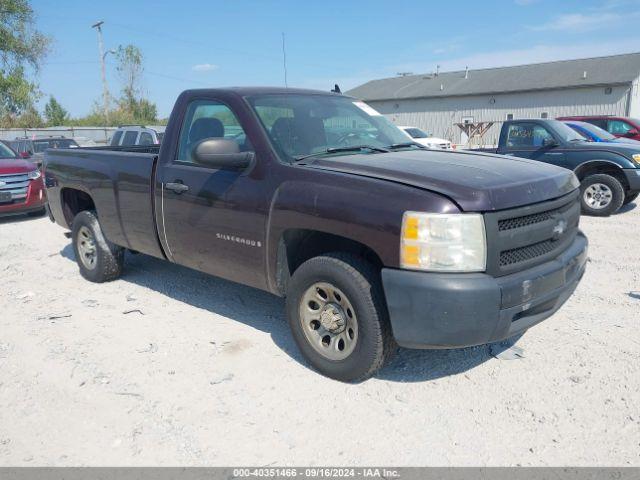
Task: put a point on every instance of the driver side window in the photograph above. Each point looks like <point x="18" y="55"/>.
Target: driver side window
<point x="527" y="135"/>
<point x="209" y="119"/>
<point x="618" y="127"/>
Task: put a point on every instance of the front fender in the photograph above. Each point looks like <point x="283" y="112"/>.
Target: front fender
<point x="364" y="210"/>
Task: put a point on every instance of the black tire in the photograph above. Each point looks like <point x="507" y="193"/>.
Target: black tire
<point x="108" y="259"/>
<point x="360" y="282"/>
<point x="630" y="198"/>
<point x="613" y="185"/>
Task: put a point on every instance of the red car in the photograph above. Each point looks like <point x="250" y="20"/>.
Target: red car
<point x="21" y="185"/>
<point x="624" y="127"/>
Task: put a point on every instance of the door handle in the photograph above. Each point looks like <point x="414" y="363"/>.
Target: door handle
<point x="177" y="187"/>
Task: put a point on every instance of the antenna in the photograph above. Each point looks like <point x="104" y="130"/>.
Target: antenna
<point x="284" y="61"/>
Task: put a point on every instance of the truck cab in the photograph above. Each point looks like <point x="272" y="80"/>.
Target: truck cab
<point x="609" y="173"/>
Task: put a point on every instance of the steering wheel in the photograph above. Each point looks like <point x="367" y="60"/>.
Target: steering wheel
<point x="348" y="138"/>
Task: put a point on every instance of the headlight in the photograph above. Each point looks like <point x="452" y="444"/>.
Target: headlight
<point x="443" y="242"/>
<point x="34" y="175"/>
<point x="636" y="158"/>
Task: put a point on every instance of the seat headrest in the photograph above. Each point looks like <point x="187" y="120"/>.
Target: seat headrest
<point x="205" y="128"/>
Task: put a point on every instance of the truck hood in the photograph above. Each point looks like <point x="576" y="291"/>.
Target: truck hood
<point x="623" y="147"/>
<point x="476" y="182"/>
<point x="15" y="165"/>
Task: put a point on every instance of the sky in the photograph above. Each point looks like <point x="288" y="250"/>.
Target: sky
<point x="216" y="43"/>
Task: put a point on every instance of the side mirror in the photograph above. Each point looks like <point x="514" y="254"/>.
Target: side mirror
<point x="221" y="153"/>
<point x="25" y="155"/>
<point x="549" y="143"/>
<point x="632" y="133"/>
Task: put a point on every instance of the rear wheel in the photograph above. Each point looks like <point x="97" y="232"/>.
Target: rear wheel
<point x="99" y="260"/>
<point x="630" y="198"/>
<point x="338" y="317"/>
<point x="602" y="195"/>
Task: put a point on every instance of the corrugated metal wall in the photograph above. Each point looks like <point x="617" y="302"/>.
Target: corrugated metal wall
<point x="438" y="115"/>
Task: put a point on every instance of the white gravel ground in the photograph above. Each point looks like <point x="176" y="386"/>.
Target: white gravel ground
<point x="204" y="372"/>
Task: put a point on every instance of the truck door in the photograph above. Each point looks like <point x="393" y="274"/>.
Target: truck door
<point x="534" y="141"/>
<point x="211" y="219"/>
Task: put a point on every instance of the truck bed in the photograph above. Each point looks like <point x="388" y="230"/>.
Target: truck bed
<point x="119" y="180"/>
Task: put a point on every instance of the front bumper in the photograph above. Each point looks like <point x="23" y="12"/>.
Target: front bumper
<point x="633" y="178"/>
<point x="35" y="200"/>
<point x="439" y="310"/>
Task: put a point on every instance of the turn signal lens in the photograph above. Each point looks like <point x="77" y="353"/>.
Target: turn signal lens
<point x="34" y="175"/>
<point x="443" y="242"/>
<point x="636" y="158"/>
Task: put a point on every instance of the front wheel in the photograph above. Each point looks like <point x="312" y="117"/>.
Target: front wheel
<point x="99" y="260"/>
<point x="338" y="317"/>
<point x="601" y="195"/>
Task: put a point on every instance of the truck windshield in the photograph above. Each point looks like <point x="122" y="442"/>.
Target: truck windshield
<point x="416" y="133"/>
<point x="6" y="152"/>
<point x="567" y="133"/>
<point x="597" y="131"/>
<point x="300" y="125"/>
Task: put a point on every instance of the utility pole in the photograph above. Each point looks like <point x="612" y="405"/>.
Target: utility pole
<point x="105" y="89"/>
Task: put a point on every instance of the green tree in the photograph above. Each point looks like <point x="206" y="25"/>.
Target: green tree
<point x="29" y="118"/>
<point x="145" y="112"/>
<point x="130" y="69"/>
<point x="21" y="47"/>
<point x="55" y="114"/>
<point x="132" y="107"/>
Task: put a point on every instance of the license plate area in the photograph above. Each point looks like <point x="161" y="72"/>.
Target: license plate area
<point x="5" y="197"/>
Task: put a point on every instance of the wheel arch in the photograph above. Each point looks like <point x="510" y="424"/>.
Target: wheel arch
<point x="606" y="167"/>
<point x="297" y="245"/>
<point x="73" y="201"/>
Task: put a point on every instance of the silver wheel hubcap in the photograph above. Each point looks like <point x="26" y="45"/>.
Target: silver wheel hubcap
<point x="87" y="248"/>
<point x="598" y="196"/>
<point x="328" y="321"/>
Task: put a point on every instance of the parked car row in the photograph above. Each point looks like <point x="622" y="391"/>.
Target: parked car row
<point x="376" y="236"/>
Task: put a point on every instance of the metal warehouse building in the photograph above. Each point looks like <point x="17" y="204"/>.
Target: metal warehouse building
<point x="437" y="102"/>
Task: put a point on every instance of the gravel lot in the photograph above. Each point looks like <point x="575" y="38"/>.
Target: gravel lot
<point x="202" y="371"/>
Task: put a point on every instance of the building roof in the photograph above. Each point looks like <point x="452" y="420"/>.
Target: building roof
<point x="611" y="70"/>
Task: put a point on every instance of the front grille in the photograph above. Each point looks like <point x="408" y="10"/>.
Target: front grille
<point x="511" y="223"/>
<point x="522" y="254"/>
<point x="524" y="237"/>
<point x="15" y="183"/>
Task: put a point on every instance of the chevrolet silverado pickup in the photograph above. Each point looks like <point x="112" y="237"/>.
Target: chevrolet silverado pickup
<point x="374" y="240"/>
<point x="609" y="173"/>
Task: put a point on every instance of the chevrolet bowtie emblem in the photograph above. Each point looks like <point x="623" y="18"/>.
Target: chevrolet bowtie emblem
<point x="559" y="229"/>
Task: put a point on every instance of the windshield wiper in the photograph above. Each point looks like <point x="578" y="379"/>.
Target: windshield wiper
<point x="405" y="145"/>
<point x="353" y="148"/>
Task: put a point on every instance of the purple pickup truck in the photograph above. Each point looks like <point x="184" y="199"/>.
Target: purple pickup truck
<point x="374" y="240"/>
